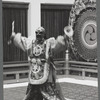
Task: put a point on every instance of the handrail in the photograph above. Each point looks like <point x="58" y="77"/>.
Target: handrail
<point x="15" y="65"/>
<point x="82" y="67"/>
<point x="15" y="62"/>
<point x="84" y="63"/>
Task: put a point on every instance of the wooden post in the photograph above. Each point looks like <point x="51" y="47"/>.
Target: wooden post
<point x="83" y="74"/>
<point x="66" y="63"/>
<point x="17" y="77"/>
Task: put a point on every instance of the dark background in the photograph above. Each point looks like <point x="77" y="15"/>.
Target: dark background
<point x="1" y="54"/>
<point x="98" y="41"/>
<point x="1" y="51"/>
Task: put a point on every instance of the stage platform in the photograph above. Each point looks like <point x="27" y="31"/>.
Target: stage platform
<point x="73" y="89"/>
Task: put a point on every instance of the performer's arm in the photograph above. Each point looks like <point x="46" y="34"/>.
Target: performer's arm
<point x="58" y="45"/>
<point x="61" y="43"/>
<point x="22" y="42"/>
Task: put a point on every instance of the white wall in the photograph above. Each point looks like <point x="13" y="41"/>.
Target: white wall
<point x="58" y="1"/>
<point x="34" y="11"/>
<point x="34" y="18"/>
<point x="44" y="1"/>
<point x="24" y="1"/>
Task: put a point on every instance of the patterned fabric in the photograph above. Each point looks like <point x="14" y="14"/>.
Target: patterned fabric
<point x="26" y="43"/>
<point x="49" y="89"/>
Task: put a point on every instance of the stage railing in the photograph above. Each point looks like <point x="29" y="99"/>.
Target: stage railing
<point x="18" y="72"/>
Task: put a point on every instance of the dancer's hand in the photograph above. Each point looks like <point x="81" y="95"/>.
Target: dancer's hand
<point x="68" y="31"/>
<point x="11" y="38"/>
<point x="12" y="34"/>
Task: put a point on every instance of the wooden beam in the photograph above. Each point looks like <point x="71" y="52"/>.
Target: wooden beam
<point x="56" y="6"/>
<point x="15" y="5"/>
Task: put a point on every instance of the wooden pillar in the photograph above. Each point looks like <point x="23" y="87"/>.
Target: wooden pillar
<point x="83" y="74"/>
<point x="17" y="77"/>
<point x="66" y="63"/>
<point x="34" y="17"/>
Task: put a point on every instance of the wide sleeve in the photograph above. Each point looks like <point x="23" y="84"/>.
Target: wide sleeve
<point x="57" y="45"/>
<point x="22" y="42"/>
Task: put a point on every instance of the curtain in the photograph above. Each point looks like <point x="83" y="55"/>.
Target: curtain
<point x="19" y="15"/>
<point x="54" y="18"/>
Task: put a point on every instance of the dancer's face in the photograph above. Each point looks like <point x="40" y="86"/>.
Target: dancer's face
<point x="39" y="36"/>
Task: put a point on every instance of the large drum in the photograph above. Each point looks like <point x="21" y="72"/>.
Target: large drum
<point x="83" y="20"/>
